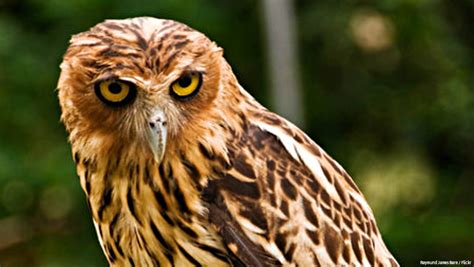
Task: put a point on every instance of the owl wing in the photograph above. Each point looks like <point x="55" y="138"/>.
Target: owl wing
<point x="284" y="200"/>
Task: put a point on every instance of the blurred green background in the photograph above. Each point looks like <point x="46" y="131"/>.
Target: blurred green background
<point x="387" y="88"/>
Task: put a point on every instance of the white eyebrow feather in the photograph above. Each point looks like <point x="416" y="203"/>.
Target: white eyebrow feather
<point x="136" y="79"/>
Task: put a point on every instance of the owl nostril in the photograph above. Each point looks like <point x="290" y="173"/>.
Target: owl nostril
<point x="159" y="122"/>
<point x="157" y="119"/>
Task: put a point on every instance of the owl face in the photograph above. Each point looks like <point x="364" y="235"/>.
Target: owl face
<point x="137" y="83"/>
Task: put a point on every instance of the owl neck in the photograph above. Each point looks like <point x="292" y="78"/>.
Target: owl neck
<point x="114" y="176"/>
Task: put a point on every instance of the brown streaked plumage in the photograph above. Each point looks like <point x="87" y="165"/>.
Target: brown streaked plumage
<point x="181" y="166"/>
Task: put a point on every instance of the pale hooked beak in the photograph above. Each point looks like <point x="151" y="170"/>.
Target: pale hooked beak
<point x="157" y="126"/>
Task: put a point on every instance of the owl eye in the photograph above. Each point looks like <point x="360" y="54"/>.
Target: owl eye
<point x="186" y="86"/>
<point x="115" y="92"/>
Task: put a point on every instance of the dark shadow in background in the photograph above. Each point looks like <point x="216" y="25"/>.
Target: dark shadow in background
<point x="387" y="89"/>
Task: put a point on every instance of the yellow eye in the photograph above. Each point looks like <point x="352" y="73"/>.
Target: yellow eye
<point x="186" y="86"/>
<point x="115" y="92"/>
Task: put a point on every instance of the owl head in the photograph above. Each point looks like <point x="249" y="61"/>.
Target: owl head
<point x="144" y="83"/>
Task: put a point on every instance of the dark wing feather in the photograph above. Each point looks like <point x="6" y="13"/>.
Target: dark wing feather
<point x="242" y="251"/>
<point x="284" y="200"/>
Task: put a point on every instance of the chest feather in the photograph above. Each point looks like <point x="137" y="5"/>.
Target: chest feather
<point x="145" y="216"/>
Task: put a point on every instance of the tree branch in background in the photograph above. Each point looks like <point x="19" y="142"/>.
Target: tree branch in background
<point x="281" y="47"/>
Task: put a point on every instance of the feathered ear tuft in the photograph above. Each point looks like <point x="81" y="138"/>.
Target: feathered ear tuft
<point x="218" y="50"/>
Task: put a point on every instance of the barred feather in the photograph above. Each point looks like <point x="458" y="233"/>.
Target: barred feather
<point x="237" y="185"/>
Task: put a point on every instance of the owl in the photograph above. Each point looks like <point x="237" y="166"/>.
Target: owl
<point x="182" y="167"/>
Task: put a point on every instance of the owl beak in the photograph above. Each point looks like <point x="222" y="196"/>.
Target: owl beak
<point x="158" y="131"/>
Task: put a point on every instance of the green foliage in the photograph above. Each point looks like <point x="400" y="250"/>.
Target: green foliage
<point x="397" y="111"/>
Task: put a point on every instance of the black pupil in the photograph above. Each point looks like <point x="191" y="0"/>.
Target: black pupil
<point x="115" y="88"/>
<point x="185" y="81"/>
